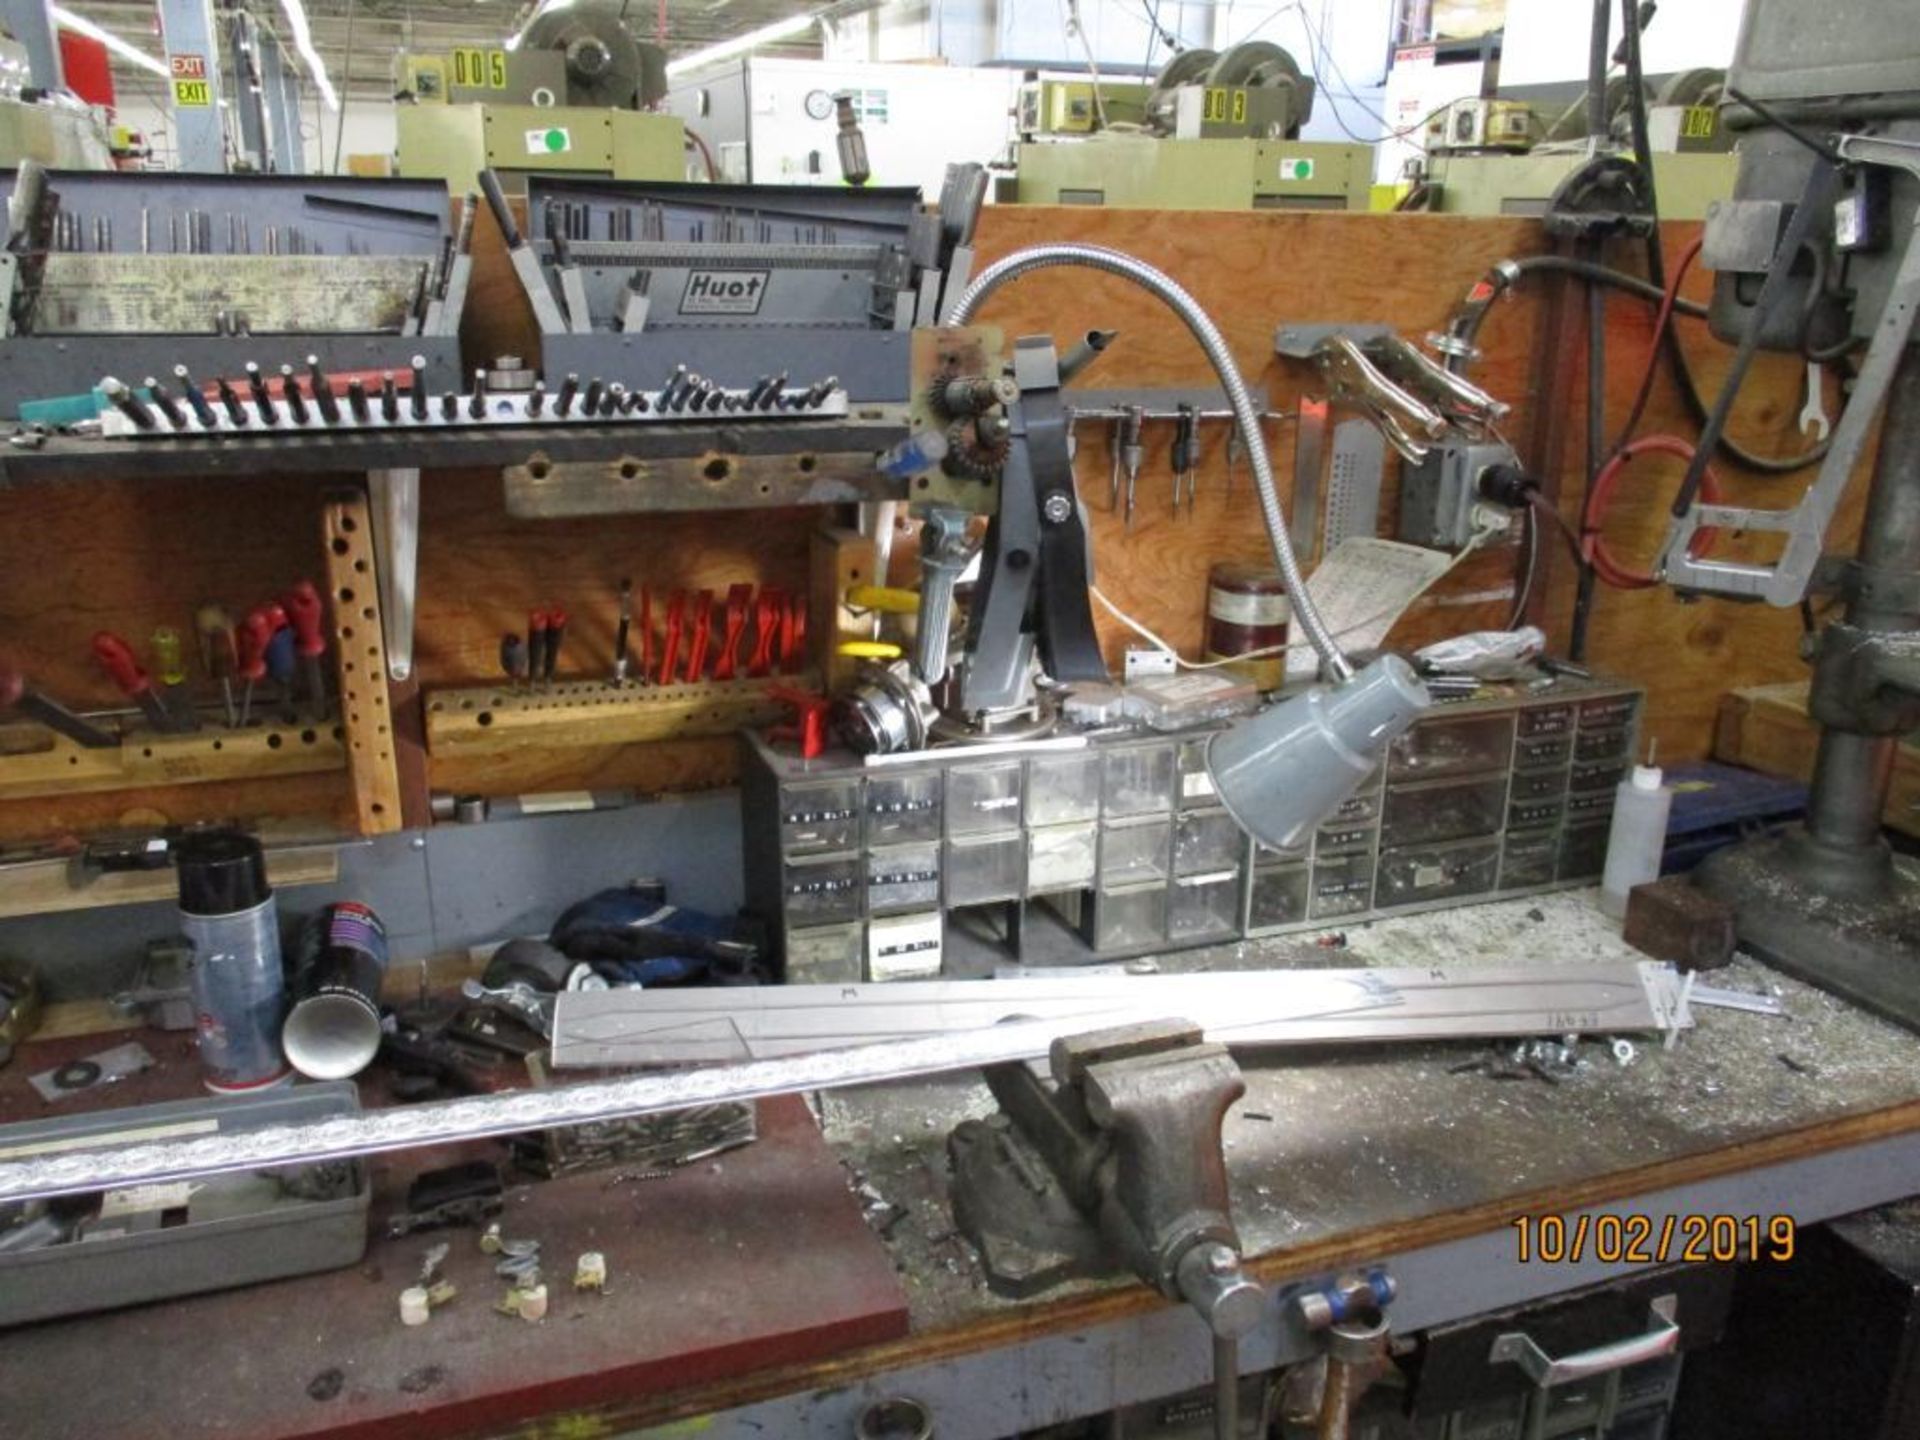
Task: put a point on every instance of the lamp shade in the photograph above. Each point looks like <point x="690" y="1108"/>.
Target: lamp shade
<point x="1280" y="773"/>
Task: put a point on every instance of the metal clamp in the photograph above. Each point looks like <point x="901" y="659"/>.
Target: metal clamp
<point x="1661" y="1338"/>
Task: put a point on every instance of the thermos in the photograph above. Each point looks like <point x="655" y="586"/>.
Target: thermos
<point x="239" y="989"/>
<point x="333" y="1029"/>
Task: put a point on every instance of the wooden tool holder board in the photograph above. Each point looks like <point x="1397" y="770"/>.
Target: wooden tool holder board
<point x="132" y="554"/>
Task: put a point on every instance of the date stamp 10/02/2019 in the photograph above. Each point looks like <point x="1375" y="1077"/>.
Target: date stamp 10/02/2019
<point x="1634" y="1239"/>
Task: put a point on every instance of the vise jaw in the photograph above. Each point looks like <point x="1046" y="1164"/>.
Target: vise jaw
<point x="1113" y="1165"/>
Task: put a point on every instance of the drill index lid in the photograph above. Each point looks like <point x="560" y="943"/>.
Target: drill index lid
<point x="222" y="872"/>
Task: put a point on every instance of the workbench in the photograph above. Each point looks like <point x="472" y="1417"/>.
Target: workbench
<point x="1394" y="1156"/>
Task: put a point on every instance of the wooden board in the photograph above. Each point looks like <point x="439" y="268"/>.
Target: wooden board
<point x="502" y="721"/>
<point x="56" y="765"/>
<point x="130" y="555"/>
<point x="1767" y="728"/>
<point x="360" y="658"/>
<point x="43" y="888"/>
<point x="1253" y="272"/>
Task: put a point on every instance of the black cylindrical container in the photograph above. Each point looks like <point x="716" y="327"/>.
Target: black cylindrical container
<point x="333" y="1030"/>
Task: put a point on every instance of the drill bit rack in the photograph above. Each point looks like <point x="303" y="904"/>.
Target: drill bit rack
<point x="58" y="766"/>
<point x="630" y="275"/>
<point x="139" y="271"/>
<point x="568" y="713"/>
<point x="286" y="407"/>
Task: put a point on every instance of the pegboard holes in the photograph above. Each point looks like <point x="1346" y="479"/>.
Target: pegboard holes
<point x="340" y="547"/>
<point x="273" y="741"/>
<point x="309" y="737"/>
<point x="629" y="470"/>
<point x="808" y="464"/>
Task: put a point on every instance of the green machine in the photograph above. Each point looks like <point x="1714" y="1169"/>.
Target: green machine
<point x="1215" y="131"/>
<point x="457" y="142"/>
<point x="1492" y="184"/>
<point x="1147" y="173"/>
<point x="1693" y="163"/>
<point x="569" y="96"/>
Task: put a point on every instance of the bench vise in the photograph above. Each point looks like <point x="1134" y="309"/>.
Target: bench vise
<point x="1115" y="1165"/>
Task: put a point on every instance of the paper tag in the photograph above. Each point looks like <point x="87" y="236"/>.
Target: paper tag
<point x="1362" y="588"/>
<point x="137" y="1199"/>
<point x="1296" y="167"/>
<point x="549" y="140"/>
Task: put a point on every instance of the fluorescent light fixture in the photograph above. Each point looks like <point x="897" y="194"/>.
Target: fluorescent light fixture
<point x="296" y="14"/>
<point x="80" y="25"/>
<point x="766" y="35"/>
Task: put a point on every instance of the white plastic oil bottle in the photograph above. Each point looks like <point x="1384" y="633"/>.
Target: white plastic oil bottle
<point x="1638" y="836"/>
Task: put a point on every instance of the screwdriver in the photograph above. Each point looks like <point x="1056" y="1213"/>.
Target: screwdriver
<point x="556" y="632"/>
<point x="280" y="655"/>
<point x="303" y="608"/>
<point x="1133" y="452"/>
<point x="513" y="658"/>
<point x="251" y="665"/>
<point x="1185" y="455"/>
<point x="620" y="635"/>
<point x="536" y="644"/>
<point x="215" y="628"/>
<point x="116" y="658"/>
<point x="16" y="694"/>
<point x="172" y="670"/>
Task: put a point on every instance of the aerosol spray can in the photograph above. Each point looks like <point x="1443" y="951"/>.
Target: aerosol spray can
<point x="333" y="1029"/>
<point x="239" y="989"/>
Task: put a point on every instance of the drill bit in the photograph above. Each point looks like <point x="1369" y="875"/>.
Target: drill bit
<point x="322" y="389"/>
<point x="477" y="401"/>
<point x="168" y="406"/>
<point x="389" y="398"/>
<point x="202" y="411"/>
<point x="290" y="391"/>
<point x="262" y="397"/>
<point x="230" y="399"/>
<point x="417" y="387"/>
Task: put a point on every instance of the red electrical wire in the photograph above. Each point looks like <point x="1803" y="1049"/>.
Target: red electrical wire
<point x="1660" y="323"/>
<point x="1593" y="546"/>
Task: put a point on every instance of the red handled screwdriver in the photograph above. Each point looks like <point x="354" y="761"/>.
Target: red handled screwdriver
<point x="304" y="609"/>
<point x="556" y="632"/>
<point x="256" y="633"/>
<point x="116" y="658"/>
<point x="536" y="646"/>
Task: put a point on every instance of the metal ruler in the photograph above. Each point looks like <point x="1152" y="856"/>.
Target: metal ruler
<point x="1483" y="1002"/>
<point x="88" y="294"/>
<point x="1243" y="1008"/>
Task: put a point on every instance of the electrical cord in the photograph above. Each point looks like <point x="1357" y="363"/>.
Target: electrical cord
<point x="1593" y="546"/>
<point x="1660" y="325"/>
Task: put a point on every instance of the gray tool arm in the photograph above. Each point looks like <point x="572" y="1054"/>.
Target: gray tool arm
<point x="1785" y="582"/>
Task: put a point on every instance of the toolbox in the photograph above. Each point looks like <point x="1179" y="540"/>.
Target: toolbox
<point x="157" y="1242"/>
